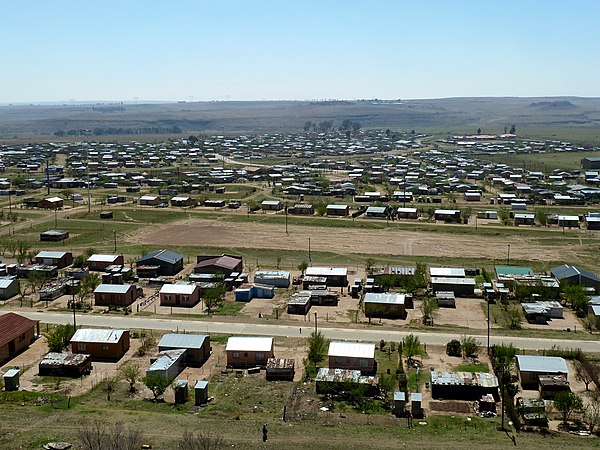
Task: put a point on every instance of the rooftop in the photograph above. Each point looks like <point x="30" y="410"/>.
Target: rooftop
<point x="542" y="364"/>
<point x="249" y="343"/>
<point x="13" y="325"/>
<point x="351" y="349"/>
<point x="97" y="335"/>
<point x="176" y="340"/>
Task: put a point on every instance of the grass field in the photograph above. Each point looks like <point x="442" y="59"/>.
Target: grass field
<point x="545" y="162"/>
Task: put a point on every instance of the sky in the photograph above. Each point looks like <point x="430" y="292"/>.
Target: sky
<point x="180" y="50"/>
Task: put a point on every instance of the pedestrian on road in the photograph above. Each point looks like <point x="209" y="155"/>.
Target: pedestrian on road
<point x="300" y="330"/>
<point x="265" y="432"/>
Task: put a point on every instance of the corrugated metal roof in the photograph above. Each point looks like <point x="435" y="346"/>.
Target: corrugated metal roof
<point x="482" y="379"/>
<point x="392" y="299"/>
<point x="13" y="325"/>
<point x="161" y="255"/>
<point x="112" y="288"/>
<point x="399" y="396"/>
<point x="176" y="340"/>
<point x="166" y="359"/>
<point x="6" y="282"/>
<point x="102" y="258"/>
<point x="351" y="349"/>
<point x="97" y="335"/>
<point x="185" y="289"/>
<point x="458" y="272"/>
<point x="272" y="274"/>
<point x="326" y="271"/>
<point x="50" y="254"/>
<point x="202" y="384"/>
<point x="249" y="343"/>
<point x="446" y="280"/>
<point x="542" y="364"/>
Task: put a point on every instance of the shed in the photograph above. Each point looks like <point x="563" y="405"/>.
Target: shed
<point x="99" y="262"/>
<point x="447" y="215"/>
<point x="54" y="236"/>
<point x="407" y="213"/>
<point x="531" y="367"/>
<point x="352" y="356"/>
<point x="201" y="393"/>
<point x="462" y="287"/>
<point x="445" y="299"/>
<point x="51" y="203"/>
<point x="9" y="287"/>
<point x="299" y="303"/>
<point x="149" y="200"/>
<point x="338" y="210"/>
<point x="11" y="379"/>
<point x="399" y="403"/>
<point x="168" y="262"/>
<point x="271" y="205"/>
<point x="280" y="369"/>
<point x="181" y="392"/>
<point x="416" y="405"/>
<point x="168" y="364"/>
<point x="568" y="221"/>
<point x="248" y="291"/>
<point x="463" y="385"/>
<point x="524" y="219"/>
<point x="249" y="351"/>
<point x="575" y="275"/>
<point x="276" y="278"/>
<point x="65" y="364"/>
<point x="335" y="276"/>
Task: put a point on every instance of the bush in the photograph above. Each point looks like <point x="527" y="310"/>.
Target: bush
<point x="453" y="348"/>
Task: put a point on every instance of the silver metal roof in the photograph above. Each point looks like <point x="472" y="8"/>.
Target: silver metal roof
<point x="249" y="343"/>
<point x="50" y="254"/>
<point x="542" y="364"/>
<point x="166" y="359"/>
<point x="6" y="282"/>
<point x="351" y="349"/>
<point x="112" y="288"/>
<point x="102" y="258"/>
<point x="326" y="271"/>
<point x="97" y="335"/>
<point x="392" y="299"/>
<point x="175" y="340"/>
<point x="185" y="289"/>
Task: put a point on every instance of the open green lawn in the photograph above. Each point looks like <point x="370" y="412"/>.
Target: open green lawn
<point x="545" y="162"/>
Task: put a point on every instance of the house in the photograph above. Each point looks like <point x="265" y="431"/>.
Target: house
<point x="276" y="278"/>
<point x="99" y="263"/>
<point x="448" y="272"/>
<point x="197" y="346"/>
<point x="529" y="368"/>
<point x="407" y="213"/>
<point x="568" y="221"/>
<point x="590" y="163"/>
<point x="378" y="212"/>
<point x="574" y="275"/>
<point x="447" y="215"/>
<point x="524" y="219"/>
<point x="488" y="214"/>
<point x="149" y="200"/>
<point x="54" y="258"/>
<point x="248" y="351"/>
<point x="247" y="292"/>
<point x="179" y="294"/>
<point x="462" y="287"/>
<point x="17" y="333"/>
<point x="334" y="276"/>
<point x="166" y="262"/>
<point x="338" y="210"/>
<point x="182" y="201"/>
<point x="271" y="205"/>
<point x="352" y="356"/>
<point x="384" y="305"/>
<point x="115" y="294"/>
<point x="51" y="203"/>
<point x="469" y="386"/>
<point x="336" y="381"/>
<point x="472" y="196"/>
<point x="54" y="236"/>
<point x="100" y="344"/>
<point x="9" y="287"/>
<point x="299" y="303"/>
<point x="224" y="264"/>
<point x="541" y="311"/>
<point x="302" y="209"/>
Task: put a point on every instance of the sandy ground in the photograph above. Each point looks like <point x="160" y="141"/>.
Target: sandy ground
<point x="468" y="313"/>
<point x="569" y="320"/>
<point x="391" y="241"/>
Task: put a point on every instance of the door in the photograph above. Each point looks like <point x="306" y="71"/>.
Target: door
<point x="11" y="347"/>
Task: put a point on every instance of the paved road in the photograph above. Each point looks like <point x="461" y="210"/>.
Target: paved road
<point x="274" y="329"/>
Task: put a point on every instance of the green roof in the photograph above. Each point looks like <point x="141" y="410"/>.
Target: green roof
<point x="512" y="270"/>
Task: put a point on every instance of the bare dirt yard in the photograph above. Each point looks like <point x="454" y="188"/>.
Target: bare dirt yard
<point x="389" y="241"/>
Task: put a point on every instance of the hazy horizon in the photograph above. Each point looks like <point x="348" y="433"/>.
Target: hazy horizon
<point x="275" y="51"/>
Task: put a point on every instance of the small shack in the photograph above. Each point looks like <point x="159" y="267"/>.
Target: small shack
<point x="280" y="369"/>
<point x="384" y="305"/>
<point x="201" y="393"/>
<point x="168" y="364"/>
<point x="11" y="379"/>
<point x="276" y="278"/>
<point x="181" y="392"/>
<point x="65" y="364"/>
<point x="247" y="292"/>
<point x="399" y="403"/>
<point x="54" y="236"/>
<point x="445" y="299"/>
<point x="416" y="405"/>
<point x="197" y="346"/>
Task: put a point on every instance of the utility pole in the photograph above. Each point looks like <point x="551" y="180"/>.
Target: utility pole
<point x="87" y="170"/>
<point x="316" y="329"/>
<point x="73" y="304"/>
<point x="286" y="218"/>
<point x="309" y="260"/>
<point x="47" y="176"/>
<point x="488" y="324"/>
<point x="508" y="256"/>
<point x="115" y="237"/>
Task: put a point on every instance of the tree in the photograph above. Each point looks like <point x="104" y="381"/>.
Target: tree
<point x="320" y="208"/>
<point x="302" y="267"/>
<point x="37" y="279"/>
<point x="411" y="347"/>
<point x="307" y="125"/>
<point x="22" y="289"/>
<point x="87" y="286"/>
<point x="370" y="266"/>
<point x="157" y="384"/>
<point x="59" y="336"/>
<point x="567" y="403"/>
<point x="214" y="296"/>
<point x="387" y="384"/>
<point x="465" y="214"/>
<point x="428" y="306"/>
<point x="132" y="374"/>
<point x="514" y="316"/>
<point x="200" y="441"/>
<point x="582" y="374"/>
<point x="453" y="348"/>
<point x="317" y="349"/>
<point x="470" y="346"/>
<point x="513" y="129"/>
<point x="110" y="386"/>
<point x="591" y="413"/>
<point x="542" y="217"/>
<point x="79" y="261"/>
<point x="503" y="357"/>
<point x="478" y="130"/>
<point x="576" y="296"/>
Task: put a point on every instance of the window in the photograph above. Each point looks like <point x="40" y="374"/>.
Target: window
<point x="81" y="347"/>
<point x="260" y="356"/>
<point x="22" y="337"/>
<point x="168" y="297"/>
<point x="236" y="355"/>
<point x="186" y="298"/>
<point x="338" y="360"/>
<point x="105" y="348"/>
<point x="245" y="354"/>
<point x="364" y="363"/>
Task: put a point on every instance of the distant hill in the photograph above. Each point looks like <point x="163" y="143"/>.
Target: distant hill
<point x="450" y="114"/>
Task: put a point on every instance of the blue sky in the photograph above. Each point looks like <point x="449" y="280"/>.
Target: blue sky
<point x="271" y="50"/>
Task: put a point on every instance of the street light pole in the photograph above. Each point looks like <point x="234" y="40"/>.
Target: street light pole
<point x="309" y="259"/>
<point x="488" y="324"/>
<point x="508" y="256"/>
<point x="115" y="238"/>
<point x="316" y="330"/>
